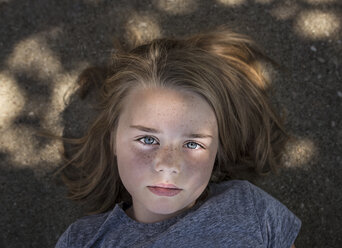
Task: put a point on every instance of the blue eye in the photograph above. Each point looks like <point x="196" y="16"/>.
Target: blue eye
<point x="148" y="140"/>
<point x="193" y="145"/>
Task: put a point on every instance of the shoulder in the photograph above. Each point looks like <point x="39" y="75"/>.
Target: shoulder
<point x="243" y="191"/>
<point x="236" y="190"/>
<point x="82" y="230"/>
<point x="239" y="197"/>
<point x="231" y="185"/>
<point x="277" y="224"/>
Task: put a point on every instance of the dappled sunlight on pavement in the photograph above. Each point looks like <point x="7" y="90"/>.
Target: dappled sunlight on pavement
<point x="316" y="24"/>
<point x="33" y="58"/>
<point x="231" y="3"/>
<point x="141" y="28"/>
<point x="176" y="7"/>
<point x="12" y="99"/>
<point x="298" y="153"/>
<point x="285" y="11"/>
<point x="23" y="149"/>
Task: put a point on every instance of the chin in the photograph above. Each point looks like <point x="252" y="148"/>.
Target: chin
<point x="165" y="207"/>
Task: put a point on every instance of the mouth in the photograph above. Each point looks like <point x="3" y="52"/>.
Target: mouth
<point x="165" y="186"/>
<point x="165" y="189"/>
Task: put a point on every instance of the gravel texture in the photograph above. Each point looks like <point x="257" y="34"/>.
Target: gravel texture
<point x="45" y="44"/>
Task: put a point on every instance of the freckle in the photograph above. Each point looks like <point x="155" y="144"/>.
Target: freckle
<point x="147" y="156"/>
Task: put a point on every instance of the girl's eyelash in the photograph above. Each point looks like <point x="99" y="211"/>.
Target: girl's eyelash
<point x="195" y="143"/>
<point x="145" y="138"/>
<point x="142" y="138"/>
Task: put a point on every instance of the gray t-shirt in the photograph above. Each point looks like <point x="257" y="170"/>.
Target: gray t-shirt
<point x="237" y="214"/>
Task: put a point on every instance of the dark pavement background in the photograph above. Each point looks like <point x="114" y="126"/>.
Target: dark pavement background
<point x="45" y="44"/>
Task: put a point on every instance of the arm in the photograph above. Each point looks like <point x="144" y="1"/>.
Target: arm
<point x="293" y="246"/>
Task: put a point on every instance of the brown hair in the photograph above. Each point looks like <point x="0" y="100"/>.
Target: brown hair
<point x="223" y="67"/>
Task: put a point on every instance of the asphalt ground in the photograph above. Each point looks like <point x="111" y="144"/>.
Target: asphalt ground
<point x="45" y="44"/>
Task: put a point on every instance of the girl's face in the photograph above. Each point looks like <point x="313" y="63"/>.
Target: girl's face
<point x="165" y="136"/>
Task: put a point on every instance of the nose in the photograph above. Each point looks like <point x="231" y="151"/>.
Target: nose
<point x="168" y="161"/>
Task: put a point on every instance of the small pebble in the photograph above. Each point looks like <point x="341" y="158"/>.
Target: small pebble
<point x="313" y="48"/>
<point x="320" y="59"/>
<point x="339" y="93"/>
<point x="333" y="124"/>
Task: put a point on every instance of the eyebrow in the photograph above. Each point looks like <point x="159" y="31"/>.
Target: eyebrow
<point x="152" y="130"/>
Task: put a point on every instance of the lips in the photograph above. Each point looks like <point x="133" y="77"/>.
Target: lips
<point x="167" y="186"/>
<point x="165" y="190"/>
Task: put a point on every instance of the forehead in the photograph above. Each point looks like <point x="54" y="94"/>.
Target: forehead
<point x="167" y="106"/>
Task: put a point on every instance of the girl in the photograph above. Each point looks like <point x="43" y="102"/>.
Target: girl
<point x="179" y="120"/>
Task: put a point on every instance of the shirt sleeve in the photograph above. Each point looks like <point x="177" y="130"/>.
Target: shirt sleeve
<point x="64" y="239"/>
<point x="279" y="226"/>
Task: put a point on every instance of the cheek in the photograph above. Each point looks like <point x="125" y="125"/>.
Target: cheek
<point x="142" y="158"/>
<point x="134" y="163"/>
<point x="200" y="163"/>
<point x="198" y="173"/>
